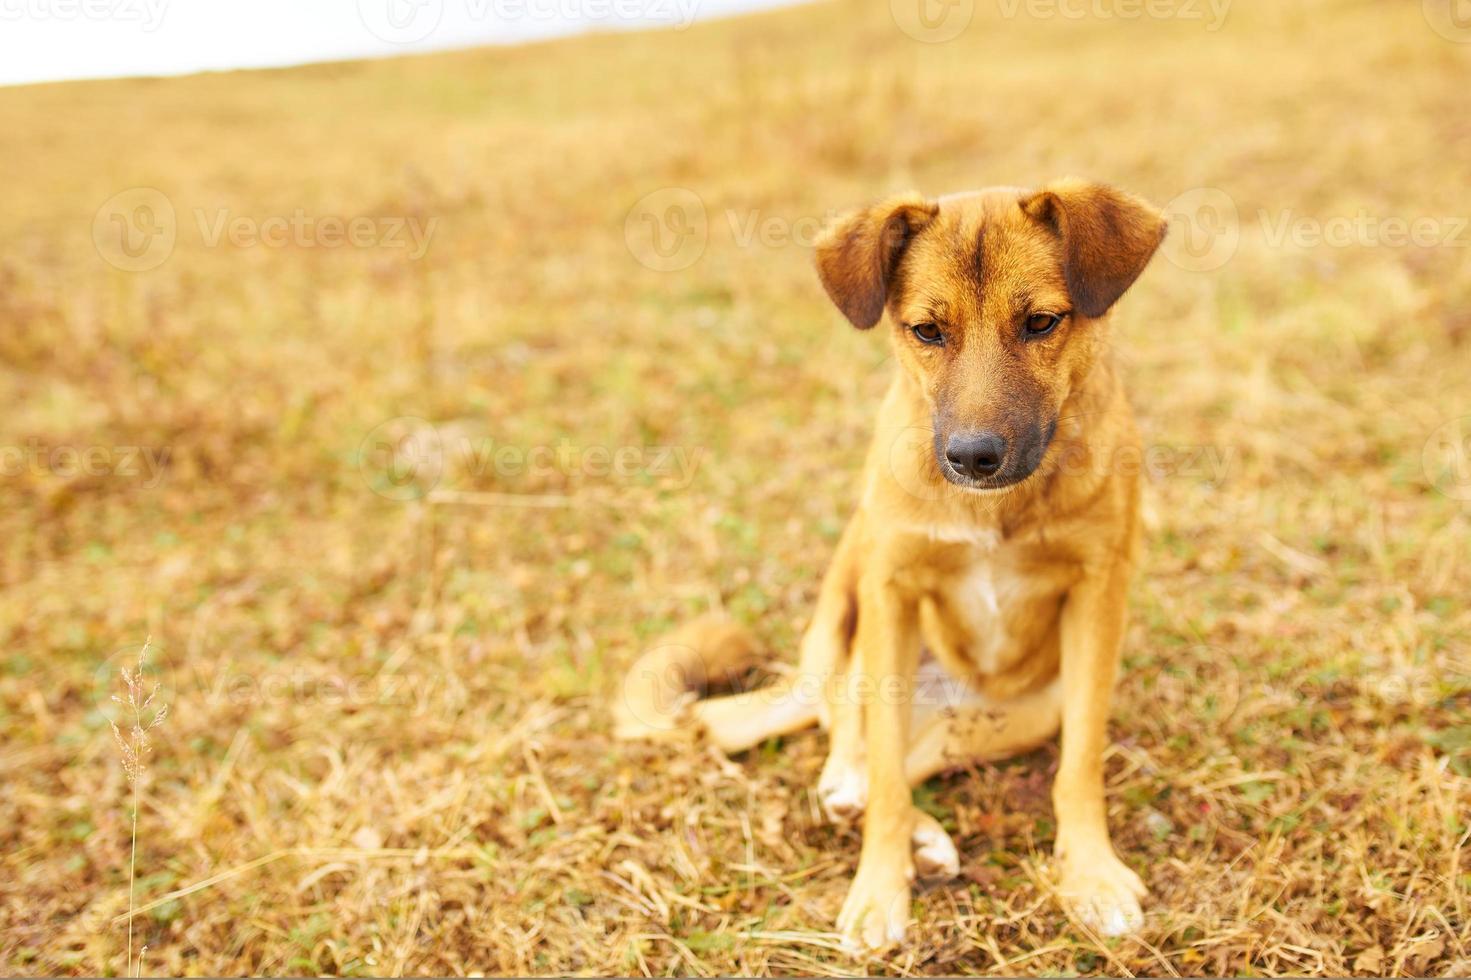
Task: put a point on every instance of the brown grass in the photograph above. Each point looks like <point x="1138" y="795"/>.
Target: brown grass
<point x="388" y="750"/>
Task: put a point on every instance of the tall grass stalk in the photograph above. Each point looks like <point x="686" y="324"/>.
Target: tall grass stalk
<point x="137" y="699"/>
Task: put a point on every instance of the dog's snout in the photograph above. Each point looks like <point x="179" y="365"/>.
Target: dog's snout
<point x="975" y="454"/>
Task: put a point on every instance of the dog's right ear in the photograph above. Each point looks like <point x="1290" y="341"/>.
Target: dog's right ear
<point x="858" y="252"/>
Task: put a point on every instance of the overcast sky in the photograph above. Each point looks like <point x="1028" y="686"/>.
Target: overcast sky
<point x="51" y="40"/>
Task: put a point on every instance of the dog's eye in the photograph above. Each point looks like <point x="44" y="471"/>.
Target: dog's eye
<point x="928" y="333"/>
<point x="1042" y="324"/>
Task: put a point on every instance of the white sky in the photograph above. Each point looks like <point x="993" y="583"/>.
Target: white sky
<point x="51" y="40"/>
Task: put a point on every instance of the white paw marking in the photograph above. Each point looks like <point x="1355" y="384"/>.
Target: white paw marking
<point x="1119" y="916"/>
<point x="843" y="791"/>
<point x="935" y="855"/>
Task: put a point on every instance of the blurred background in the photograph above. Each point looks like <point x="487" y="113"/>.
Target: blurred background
<point x="374" y="414"/>
<point x="52" y="40"/>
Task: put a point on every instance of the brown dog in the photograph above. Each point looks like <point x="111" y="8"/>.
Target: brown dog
<point x="978" y="596"/>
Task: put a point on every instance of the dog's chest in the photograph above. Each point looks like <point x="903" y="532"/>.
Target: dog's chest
<point x="992" y="610"/>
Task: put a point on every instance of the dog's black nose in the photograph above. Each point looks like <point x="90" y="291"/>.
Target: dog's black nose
<point x="975" y="454"/>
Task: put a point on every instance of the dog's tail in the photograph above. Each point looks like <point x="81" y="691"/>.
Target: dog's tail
<point x="660" y="695"/>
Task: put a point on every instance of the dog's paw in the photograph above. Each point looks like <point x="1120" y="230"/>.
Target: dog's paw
<point x="876" y="912"/>
<point x="1103" y="893"/>
<point x="843" y="790"/>
<point x="934" y="852"/>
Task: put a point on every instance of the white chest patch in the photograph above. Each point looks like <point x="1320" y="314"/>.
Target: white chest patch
<point x="979" y="598"/>
<point x="983" y="584"/>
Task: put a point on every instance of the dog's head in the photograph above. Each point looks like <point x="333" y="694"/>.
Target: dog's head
<point x="992" y="296"/>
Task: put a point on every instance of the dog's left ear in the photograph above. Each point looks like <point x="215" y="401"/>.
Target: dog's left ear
<point x="1107" y="238"/>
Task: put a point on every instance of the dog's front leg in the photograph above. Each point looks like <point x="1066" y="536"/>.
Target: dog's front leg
<point x="843" y="785"/>
<point x="876" y="911"/>
<point x="1100" y="888"/>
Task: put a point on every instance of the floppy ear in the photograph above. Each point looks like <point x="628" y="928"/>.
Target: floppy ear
<point x="1107" y="238"/>
<point x="857" y="254"/>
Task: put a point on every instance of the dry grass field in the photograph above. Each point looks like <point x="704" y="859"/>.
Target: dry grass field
<point x="389" y="646"/>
